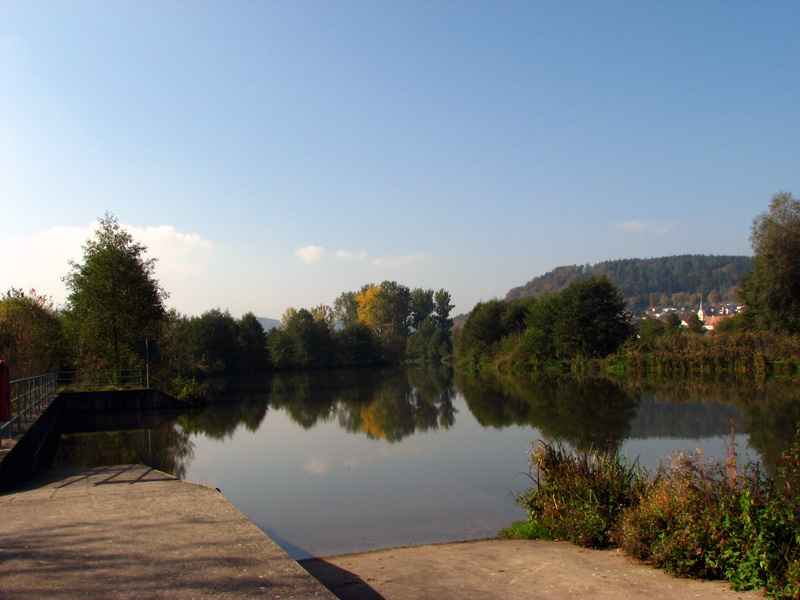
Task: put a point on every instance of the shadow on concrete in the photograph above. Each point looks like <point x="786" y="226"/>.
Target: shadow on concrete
<point x="342" y="583"/>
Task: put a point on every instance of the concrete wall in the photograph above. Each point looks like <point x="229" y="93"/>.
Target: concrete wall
<point x="36" y="448"/>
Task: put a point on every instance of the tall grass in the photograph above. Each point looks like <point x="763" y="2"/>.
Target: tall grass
<point x="754" y="354"/>
<point x="579" y="496"/>
<point x="715" y="520"/>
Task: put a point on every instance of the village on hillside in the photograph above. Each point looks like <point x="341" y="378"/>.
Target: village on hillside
<point x="710" y="315"/>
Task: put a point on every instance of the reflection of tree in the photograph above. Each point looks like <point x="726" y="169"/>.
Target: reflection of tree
<point x="582" y="412"/>
<point x="240" y="401"/>
<point x="388" y="404"/>
<point x="771" y="410"/>
<point x="494" y="402"/>
<point x="166" y="448"/>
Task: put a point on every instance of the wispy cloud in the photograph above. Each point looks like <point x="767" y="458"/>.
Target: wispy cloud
<point x="310" y="254"/>
<point x="657" y="227"/>
<point x="314" y="254"/>
<point x="348" y="255"/>
<point x="395" y="261"/>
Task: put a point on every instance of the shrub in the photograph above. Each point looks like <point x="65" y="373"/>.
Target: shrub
<point x="578" y="496"/>
<point x="717" y="521"/>
<point x="692" y="518"/>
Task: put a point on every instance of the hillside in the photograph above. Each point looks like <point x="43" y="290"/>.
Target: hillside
<point x="268" y="324"/>
<point x="668" y="281"/>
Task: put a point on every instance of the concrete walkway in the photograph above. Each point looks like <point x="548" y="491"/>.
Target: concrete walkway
<point x="507" y="569"/>
<point x="132" y="532"/>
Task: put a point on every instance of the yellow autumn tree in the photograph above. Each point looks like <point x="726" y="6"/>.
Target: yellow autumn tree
<point x="287" y="317"/>
<point x="368" y="313"/>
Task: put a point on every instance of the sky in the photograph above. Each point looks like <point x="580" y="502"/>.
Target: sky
<point x="274" y="154"/>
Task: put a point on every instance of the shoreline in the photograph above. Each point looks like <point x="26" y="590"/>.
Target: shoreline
<point x="501" y="568"/>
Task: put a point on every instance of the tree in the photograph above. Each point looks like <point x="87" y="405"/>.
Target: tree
<point x="771" y="290"/>
<point x="214" y="341"/>
<point x="483" y="330"/>
<point x="384" y="308"/>
<point x="441" y="311"/>
<point x="672" y="324"/>
<point x="694" y="323"/>
<point x="651" y="328"/>
<point x="114" y="298"/>
<point x="30" y="334"/>
<point x="420" y="306"/>
<point x="252" y="342"/>
<point x="345" y="308"/>
<point x="591" y="319"/>
<point x="324" y="314"/>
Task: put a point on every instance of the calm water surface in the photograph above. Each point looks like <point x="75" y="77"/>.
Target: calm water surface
<point x="349" y="461"/>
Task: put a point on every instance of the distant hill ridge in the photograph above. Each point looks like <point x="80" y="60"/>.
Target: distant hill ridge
<point x="268" y="324"/>
<point x="667" y="281"/>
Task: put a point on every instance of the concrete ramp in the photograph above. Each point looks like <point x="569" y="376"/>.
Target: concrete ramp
<point x="133" y="532"/>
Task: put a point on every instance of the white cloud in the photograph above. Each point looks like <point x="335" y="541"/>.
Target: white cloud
<point x="310" y="254"/>
<point x="348" y="255"/>
<point x="41" y="259"/>
<point x="177" y="253"/>
<point x="317" y="465"/>
<point x="395" y="261"/>
<point x="658" y="227"/>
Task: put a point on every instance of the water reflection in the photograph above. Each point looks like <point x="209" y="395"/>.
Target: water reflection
<point x="769" y="413"/>
<point x="387" y="404"/>
<point x="582" y="413"/>
<point x="151" y="438"/>
<point x="392" y="404"/>
<point x="331" y="462"/>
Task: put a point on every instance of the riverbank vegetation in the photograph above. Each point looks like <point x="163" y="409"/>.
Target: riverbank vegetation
<point x="645" y="282"/>
<point x="115" y="301"/>
<point x="583" y="329"/>
<point x="586" y="327"/>
<point x="717" y="520"/>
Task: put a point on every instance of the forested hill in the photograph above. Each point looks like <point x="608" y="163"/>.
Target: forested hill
<point x="667" y="281"/>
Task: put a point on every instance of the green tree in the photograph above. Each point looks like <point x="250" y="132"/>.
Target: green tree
<point x="771" y="290"/>
<point x="213" y="342"/>
<point x="538" y="338"/>
<point x="420" y="305"/>
<point x="30" y="334"/>
<point x="672" y="324"/>
<point x="695" y="324"/>
<point x="302" y="342"/>
<point x="345" y="308"/>
<point x="482" y="331"/>
<point x="591" y="319"/>
<point x="356" y="345"/>
<point x="114" y="299"/>
<point x="252" y="344"/>
<point x="651" y="328"/>
<point x="441" y="312"/>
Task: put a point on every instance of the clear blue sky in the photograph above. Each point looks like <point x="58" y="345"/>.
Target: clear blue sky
<point x="276" y="154"/>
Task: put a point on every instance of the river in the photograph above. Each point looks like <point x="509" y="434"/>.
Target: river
<point x="333" y="462"/>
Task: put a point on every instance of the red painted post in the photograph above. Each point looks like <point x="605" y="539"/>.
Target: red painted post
<point x="5" y="392"/>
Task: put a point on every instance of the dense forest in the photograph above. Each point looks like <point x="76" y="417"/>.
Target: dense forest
<point x="668" y="281"/>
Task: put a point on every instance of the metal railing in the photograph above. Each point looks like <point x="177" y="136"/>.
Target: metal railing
<point x="28" y="397"/>
<point x="83" y="381"/>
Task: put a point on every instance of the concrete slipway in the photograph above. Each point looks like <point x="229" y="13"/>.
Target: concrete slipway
<point x="133" y="532"/>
